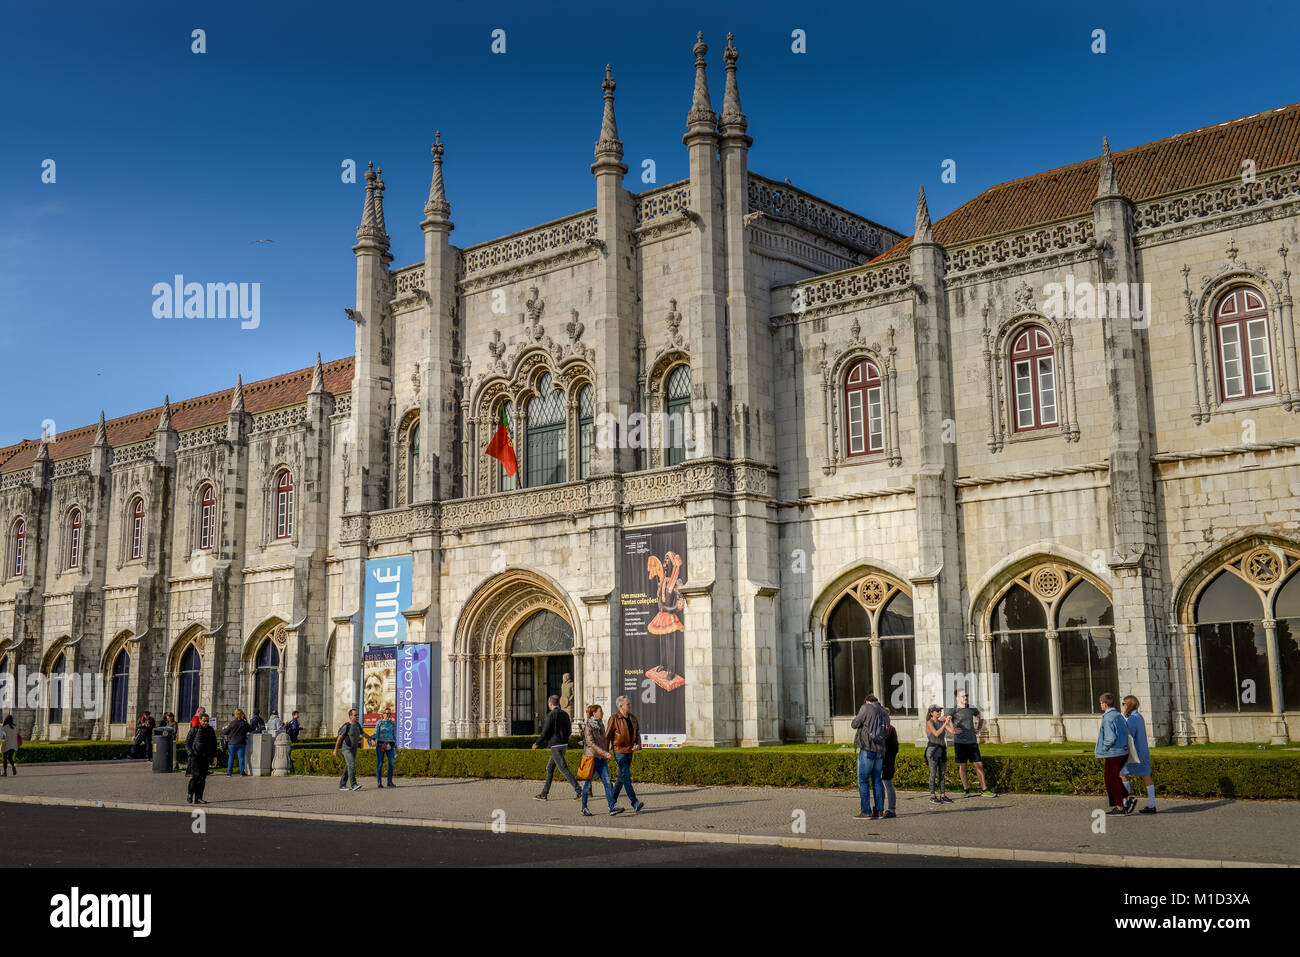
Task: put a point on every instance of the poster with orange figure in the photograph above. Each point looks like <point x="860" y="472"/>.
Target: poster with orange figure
<point x="653" y="632"/>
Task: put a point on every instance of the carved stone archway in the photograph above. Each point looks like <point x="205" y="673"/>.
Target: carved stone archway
<point x="481" y="648"/>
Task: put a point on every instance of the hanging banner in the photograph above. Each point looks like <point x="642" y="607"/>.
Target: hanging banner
<point x="414" y="693"/>
<point x="652" y="643"/>
<point x="378" y="684"/>
<point x="388" y="594"/>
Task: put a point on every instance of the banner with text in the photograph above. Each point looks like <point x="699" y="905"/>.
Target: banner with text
<point x="414" y="696"/>
<point x="652" y="646"/>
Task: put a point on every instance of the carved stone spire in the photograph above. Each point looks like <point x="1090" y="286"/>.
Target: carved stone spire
<point x="701" y="118"/>
<point x="165" y="420"/>
<point x="372" y="216"/>
<point x="922" y="233"/>
<point x="237" y="397"/>
<point x="437" y="208"/>
<point x="317" y="377"/>
<point x="101" y="431"/>
<point x="733" y="120"/>
<point x="43" y="453"/>
<point x="608" y="145"/>
<point x="1107" y="185"/>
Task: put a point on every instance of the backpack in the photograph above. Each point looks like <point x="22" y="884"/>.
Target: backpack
<point x="880" y="733"/>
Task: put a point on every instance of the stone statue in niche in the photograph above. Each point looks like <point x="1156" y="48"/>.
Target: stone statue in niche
<point x="566" y="694"/>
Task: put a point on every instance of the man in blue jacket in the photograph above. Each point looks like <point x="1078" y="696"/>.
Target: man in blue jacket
<point x="1112" y="748"/>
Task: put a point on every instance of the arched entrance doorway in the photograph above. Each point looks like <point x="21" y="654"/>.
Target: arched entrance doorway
<point x="541" y="654"/>
<point x="515" y="641"/>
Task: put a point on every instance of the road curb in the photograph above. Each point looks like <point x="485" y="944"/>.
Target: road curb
<point x="681" y="837"/>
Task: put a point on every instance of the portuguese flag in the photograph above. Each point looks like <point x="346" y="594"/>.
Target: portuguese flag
<point x="501" y="448"/>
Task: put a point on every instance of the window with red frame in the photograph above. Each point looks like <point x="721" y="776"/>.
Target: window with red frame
<point x="1245" y="350"/>
<point x="137" y="528"/>
<point x="284" y="506"/>
<point x="1033" y="370"/>
<point x="864" y="409"/>
<point x="20" y="546"/>
<point x="207" y="516"/>
<point x="74" y="538"/>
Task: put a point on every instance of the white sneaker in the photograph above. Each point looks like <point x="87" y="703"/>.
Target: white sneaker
<point x="355" y="787"/>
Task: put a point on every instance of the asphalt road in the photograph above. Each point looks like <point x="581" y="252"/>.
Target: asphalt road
<point x="82" y="837"/>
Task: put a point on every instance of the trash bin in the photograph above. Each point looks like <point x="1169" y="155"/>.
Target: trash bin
<point x="261" y="754"/>
<point x="163" y="748"/>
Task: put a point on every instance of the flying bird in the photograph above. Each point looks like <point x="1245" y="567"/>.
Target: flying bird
<point x="261" y="241"/>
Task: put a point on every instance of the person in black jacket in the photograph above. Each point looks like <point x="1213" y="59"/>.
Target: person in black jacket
<point x="201" y="746"/>
<point x="555" y="735"/>
<point x="887" y="769"/>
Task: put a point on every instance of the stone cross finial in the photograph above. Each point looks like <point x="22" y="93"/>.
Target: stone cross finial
<point x="437" y="206"/>
<point x="317" y="376"/>
<point x="1107" y="185"/>
<point x="608" y="145"/>
<point x="922" y="233"/>
<point x="701" y="118"/>
<point x="733" y="120"/>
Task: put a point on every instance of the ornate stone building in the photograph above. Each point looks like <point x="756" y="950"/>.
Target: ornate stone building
<point x="1047" y="444"/>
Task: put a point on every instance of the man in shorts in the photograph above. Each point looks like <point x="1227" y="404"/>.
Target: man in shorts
<point x="968" y="723"/>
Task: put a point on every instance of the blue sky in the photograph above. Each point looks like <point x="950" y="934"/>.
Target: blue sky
<point x="173" y="162"/>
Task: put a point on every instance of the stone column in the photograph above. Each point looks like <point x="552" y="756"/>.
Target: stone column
<point x="992" y="731"/>
<point x="1278" y="733"/>
<point x="1200" y="733"/>
<point x="1054" y="669"/>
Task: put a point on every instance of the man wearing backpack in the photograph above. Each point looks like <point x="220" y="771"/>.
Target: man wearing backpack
<point x="872" y="730"/>
<point x="349" y="740"/>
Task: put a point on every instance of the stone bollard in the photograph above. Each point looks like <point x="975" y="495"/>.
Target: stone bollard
<point x="280" y="764"/>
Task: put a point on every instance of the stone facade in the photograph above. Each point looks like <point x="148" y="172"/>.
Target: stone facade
<point x="1145" y="481"/>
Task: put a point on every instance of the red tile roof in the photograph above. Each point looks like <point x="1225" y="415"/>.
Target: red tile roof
<point x="1171" y="165"/>
<point x="261" y="396"/>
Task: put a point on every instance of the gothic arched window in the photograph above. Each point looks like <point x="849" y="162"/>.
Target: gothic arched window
<point x="266" y="683"/>
<point x="586" y="430"/>
<point x="19" y="546"/>
<point x="74" y="538"/>
<point x="1233" y="647"/>
<point x="677" y="406"/>
<point x="284" y="505"/>
<point x="1033" y="372"/>
<point x="135" y="532"/>
<point x="119" y="686"/>
<point x="207" y="517"/>
<point x="1243" y="345"/>
<point x="547" y="443"/>
<point x="1286" y="611"/>
<point x="187" y="690"/>
<point x="874" y="608"/>
<point x="58" y="677"/>
<point x="864" y="409"/>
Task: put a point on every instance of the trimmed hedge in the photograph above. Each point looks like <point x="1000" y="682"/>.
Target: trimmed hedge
<point x="37" y="752"/>
<point x="1272" y="777"/>
<point x="516" y="741"/>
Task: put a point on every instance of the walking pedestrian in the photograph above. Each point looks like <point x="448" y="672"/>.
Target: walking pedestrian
<point x="624" y="734"/>
<point x="1112" y="748"/>
<point x="872" y="729"/>
<point x="10" y="740"/>
<point x="201" y="747"/>
<point x="237" y="744"/>
<point x="1137" y="728"/>
<point x="593" y="746"/>
<point x="887" y="769"/>
<point x="349" y="739"/>
<point x="966" y="738"/>
<point x="274" y="725"/>
<point x="936" y="752"/>
<point x="257" y="724"/>
<point x="294" y="727"/>
<point x="555" y="735"/>
<point x="385" y="747"/>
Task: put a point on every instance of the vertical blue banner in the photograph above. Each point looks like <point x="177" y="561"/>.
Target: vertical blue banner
<point x="414" y="695"/>
<point x="388" y="594"/>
